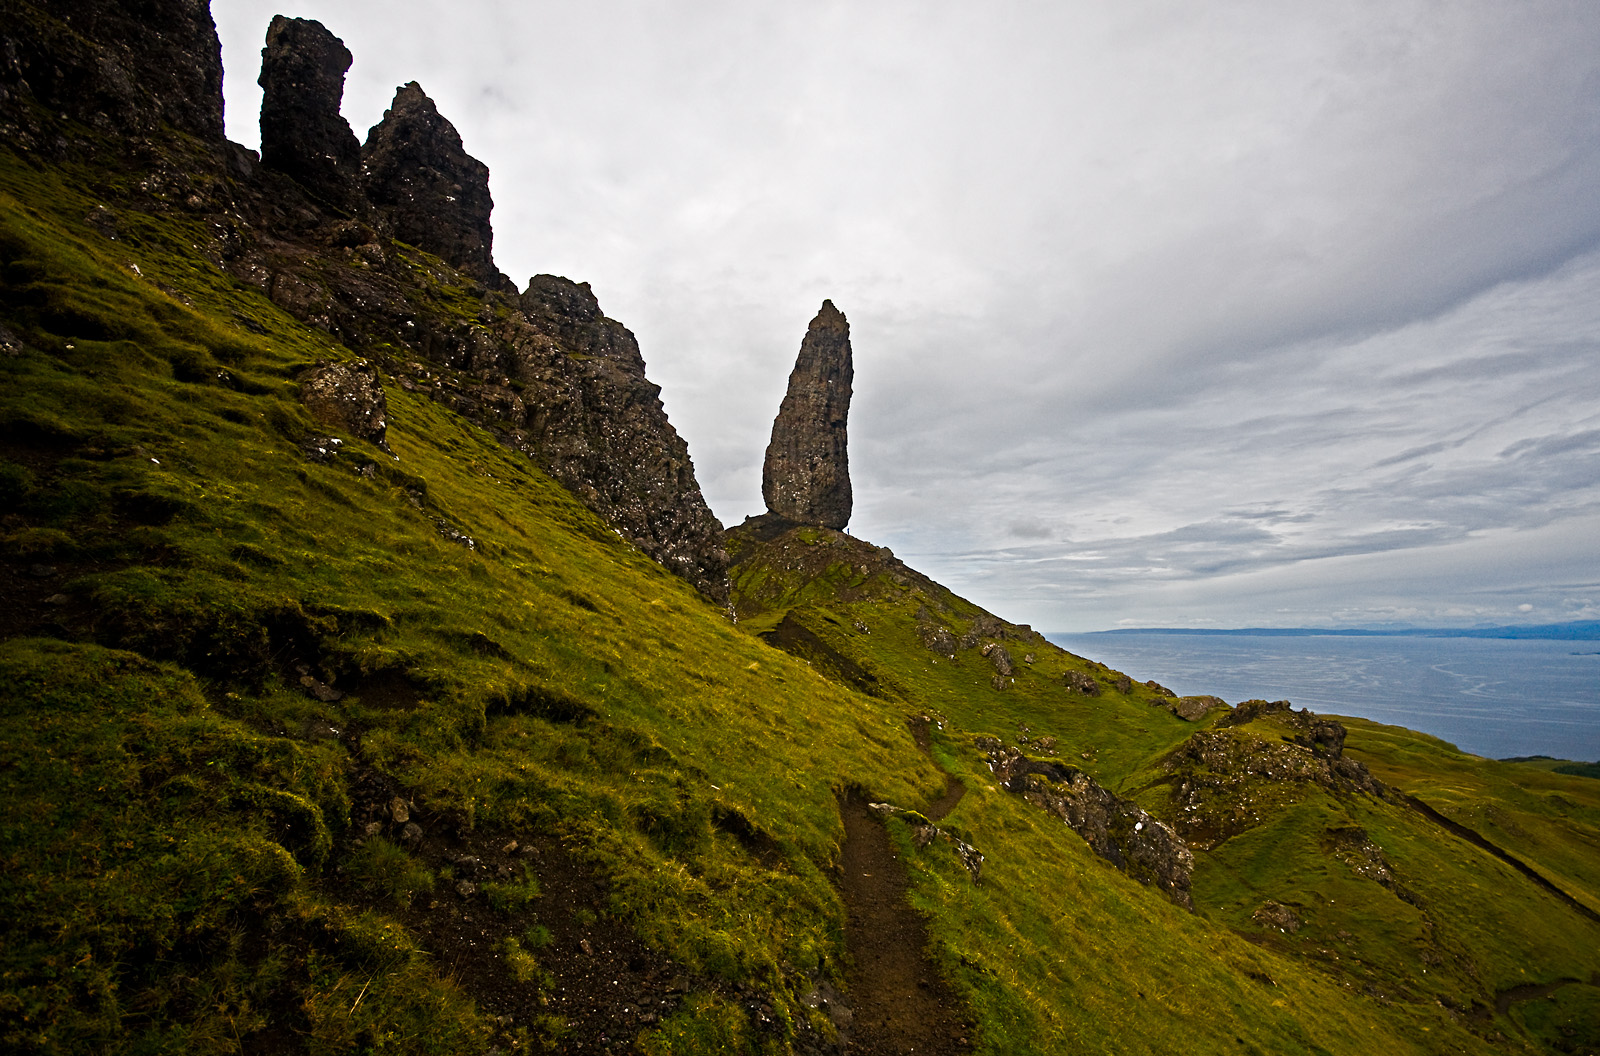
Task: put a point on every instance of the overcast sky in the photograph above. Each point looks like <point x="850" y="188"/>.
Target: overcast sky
<point x="1164" y="313"/>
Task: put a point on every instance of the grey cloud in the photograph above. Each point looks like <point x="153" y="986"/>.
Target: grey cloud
<point x="1193" y="312"/>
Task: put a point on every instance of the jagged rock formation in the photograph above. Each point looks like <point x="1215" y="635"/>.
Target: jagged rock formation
<point x="1116" y="829"/>
<point x="1220" y="777"/>
<point x="547" y="373"/>
<point x="806" y="475"/>
<point x="433" y="193"/>
<point x="124" y="69"/>
<point x="302" y="132"/>
<point x="599" y="428"/>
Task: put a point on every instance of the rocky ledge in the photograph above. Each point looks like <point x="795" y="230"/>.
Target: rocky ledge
<point x="1119" y="831"/>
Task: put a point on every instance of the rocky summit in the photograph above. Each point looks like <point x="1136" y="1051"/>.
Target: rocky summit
<point x="302" y="132"/>
<point x="432" y="191"/>
<point x="806" y="475"/>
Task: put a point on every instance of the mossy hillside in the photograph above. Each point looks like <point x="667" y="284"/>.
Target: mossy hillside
<point x="868" y="607"/>
<point x="1402" y="936"/>
<point x="545" y="675"/>
<point x="1546" y="818"/>
<point x="142" y="833"/>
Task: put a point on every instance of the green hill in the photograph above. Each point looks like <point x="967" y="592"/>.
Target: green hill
<point x="343" y="747"/>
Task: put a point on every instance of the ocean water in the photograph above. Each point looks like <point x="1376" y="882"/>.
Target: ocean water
<point x="1489" y="696"/>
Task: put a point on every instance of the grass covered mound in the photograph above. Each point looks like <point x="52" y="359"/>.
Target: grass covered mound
<point x="326" y="747"/>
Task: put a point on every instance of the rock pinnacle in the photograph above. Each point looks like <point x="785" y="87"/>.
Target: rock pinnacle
<point x="806" y="475"/>
<point x="302" y="132"/>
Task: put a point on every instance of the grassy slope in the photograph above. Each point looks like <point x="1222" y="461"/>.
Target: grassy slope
<point x="1419" y="954"/>
<point x="172" y="817"/>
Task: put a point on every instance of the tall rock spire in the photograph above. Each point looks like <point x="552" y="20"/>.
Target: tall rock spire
<point x="302" y="132"/>
<point x="436" y="194"/>
<point x="806" y="475"/>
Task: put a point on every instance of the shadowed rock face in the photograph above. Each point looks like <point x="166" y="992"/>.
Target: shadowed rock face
<point x="806" y="475"/>
<point x="120" y="66"/>
<point x="591" y="417"/>
<point x="434" y="194"/>
<point x="302" y="132"/>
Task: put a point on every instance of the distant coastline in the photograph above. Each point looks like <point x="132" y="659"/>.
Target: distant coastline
<point x="1576" y="631"/>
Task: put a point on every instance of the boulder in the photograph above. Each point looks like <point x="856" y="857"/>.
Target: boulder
<point x="1193" y="709"/>
<point x="1079" y="682"/>
<point x="348" y="397"/>
<point x="431" y="192"/>
<point x="805" y="477"/>
<point x="303" y="135"/>
<point x="1277" y="915"/>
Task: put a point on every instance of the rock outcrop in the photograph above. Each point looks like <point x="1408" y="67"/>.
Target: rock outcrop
<point x="302" y="132"/>
<point x="806" y="475"/>
<point x="429" y="189"/>
<point x="1116" y="829"/>
<point x="595" y="421"/>
<point x="125" y="69"/>
<point x="1222" y="778"/>
<point x="347" y="397"/>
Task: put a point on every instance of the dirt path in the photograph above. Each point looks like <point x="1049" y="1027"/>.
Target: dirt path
<point x="900" y="1003"/>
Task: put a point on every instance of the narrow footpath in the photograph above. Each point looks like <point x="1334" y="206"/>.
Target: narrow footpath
<point x="900" y="1003"/>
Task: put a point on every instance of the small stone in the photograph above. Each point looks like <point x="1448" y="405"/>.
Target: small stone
<point x="374" y="827"/>
<point x="583" y="944"/>
<point x="466" y="888"/>
<point x="57" y="599"/>
<point x="398" y="810"/>
<point x="1277" y="915"/>
<point x="510" y="848"/>
<point x="412" y="832"/>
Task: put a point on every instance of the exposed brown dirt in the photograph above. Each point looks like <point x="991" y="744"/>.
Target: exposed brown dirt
<point x="901" y="1004"/>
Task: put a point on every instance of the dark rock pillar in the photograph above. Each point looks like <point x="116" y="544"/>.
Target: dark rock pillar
<point x="806" y="475"/>
<point x="302" y="132"/>
<point x="433" y="192"/>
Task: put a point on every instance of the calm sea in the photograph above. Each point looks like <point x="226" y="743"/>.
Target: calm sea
<point x="1490" y="696"/>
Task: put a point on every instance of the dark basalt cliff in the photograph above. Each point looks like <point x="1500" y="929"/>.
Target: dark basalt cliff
<point x="432" y="192"/>
<point x="806" y="475"/>
<point x="326" y="228"/>
<point x="120" y="68"/>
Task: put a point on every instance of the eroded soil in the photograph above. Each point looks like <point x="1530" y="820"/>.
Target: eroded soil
<point x="901" y="1004"/>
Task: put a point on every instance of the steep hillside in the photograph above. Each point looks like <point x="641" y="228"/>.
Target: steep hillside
<point x="1448" y="901"/>
<point x="355" y="694"/>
